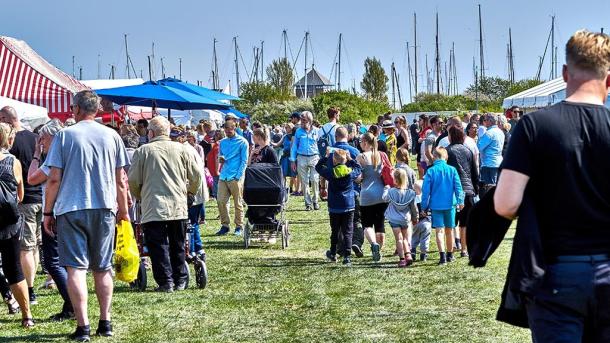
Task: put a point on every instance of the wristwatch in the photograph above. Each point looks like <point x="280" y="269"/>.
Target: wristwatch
<point x="36" y="159"/>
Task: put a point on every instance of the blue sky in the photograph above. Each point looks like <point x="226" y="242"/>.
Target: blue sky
<point x="61" y="29"/>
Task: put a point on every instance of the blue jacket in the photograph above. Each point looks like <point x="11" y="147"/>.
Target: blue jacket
<point x="340" y="190"/>
<point x="235" y="152"/>
<point x="442" y="189"/>
<point x="490" y="147"/>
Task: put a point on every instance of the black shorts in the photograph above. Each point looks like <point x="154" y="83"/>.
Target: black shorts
<point x="374" y="216"/>
<point x="462" y="216"/>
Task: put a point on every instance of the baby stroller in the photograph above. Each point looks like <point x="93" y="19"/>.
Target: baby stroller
<point x="266" y="196"/>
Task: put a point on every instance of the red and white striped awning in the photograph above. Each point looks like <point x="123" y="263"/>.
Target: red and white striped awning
<point x="26" y="76"/>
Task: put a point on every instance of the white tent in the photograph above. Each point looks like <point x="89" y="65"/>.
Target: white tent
<point x="543" y="95"/>
<point x="104" y="83"/>
<point x="30" y="116"/>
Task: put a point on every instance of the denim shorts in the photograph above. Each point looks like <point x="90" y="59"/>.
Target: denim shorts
<point x="443" y="219"/>
<point x="85" y="239"/>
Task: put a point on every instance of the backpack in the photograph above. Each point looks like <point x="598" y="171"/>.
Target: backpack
<point x="324" y="141"/>
<point x="8" y="207"/>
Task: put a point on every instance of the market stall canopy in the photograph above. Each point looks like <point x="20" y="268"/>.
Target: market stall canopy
<point x="153" y="94"/>
<point x="29" y="115"/>
<point x="234" y="112"/>
<point x="188" y="87"/>
<point x="543" y="95"/>
<point x="27" y="77"/>
<point x="105" y="84"/>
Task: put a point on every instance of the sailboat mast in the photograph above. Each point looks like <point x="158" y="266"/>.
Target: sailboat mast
<point x="306" y="44"/>
<point x="98" y="66"/>
<point x="553" y="55"/>
<point x="476" y="84"/>
<point x="409" y="73"/>
<point x="236" y="65"/>
<point x="428" y="85"/>
<point x="393" y="87"/>
<point x="438" y="61"/>
<point x="127" y="57"/>
<point x="415" y="46"/>
<point x="215" y="81"/>
<point x="339" y="64"/>
<point x="162" y="68"/>
<point x="262" y="60"/>
<point x="511" y="63"/>
<point x="180" y="68"/>
<point x="285" y="37"/>
<point x="481" y="55"/>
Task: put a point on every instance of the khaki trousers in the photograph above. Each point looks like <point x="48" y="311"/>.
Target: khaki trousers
<point x="227" y="189"/>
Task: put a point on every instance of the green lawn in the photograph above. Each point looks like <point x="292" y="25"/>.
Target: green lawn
<point x="265" y="294"/>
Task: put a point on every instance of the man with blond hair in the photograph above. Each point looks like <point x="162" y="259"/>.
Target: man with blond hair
<point x="557" y="166"/>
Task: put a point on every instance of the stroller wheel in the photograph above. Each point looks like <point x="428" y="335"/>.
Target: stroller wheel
<point x="201" y="274"/>
<point x="140" y="283"/>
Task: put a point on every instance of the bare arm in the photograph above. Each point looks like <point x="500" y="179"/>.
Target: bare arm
<point x="19" y="178"/>
<point x="121" y="194"/>
<point x="509" y="193"/>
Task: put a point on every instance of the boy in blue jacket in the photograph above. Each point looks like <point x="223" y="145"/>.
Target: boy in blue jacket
<point x="441" y="193"/>
<point x="340" y="170"/>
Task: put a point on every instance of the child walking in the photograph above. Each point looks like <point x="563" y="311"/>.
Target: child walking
<point x="340" y="171"/>
<point x="401" y="213"/>
<point x="402" y="162"/>
<point x="422" y="230"/>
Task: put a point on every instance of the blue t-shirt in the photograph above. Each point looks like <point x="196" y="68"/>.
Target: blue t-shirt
<point x="88" y="154"/>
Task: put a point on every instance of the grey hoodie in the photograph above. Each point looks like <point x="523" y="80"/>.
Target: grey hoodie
<point x="401" y="205"/>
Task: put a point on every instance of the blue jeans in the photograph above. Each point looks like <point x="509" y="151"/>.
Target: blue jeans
<point x="573" y="303"/>
<point x="215" y="186"/>
<point x="195" y="243"/>
<point x="489" y="175"/>
<point x="57" y="272"/>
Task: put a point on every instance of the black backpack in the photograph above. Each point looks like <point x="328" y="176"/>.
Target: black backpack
<point x="324" y="141"/>
<point x="8" y="207"/>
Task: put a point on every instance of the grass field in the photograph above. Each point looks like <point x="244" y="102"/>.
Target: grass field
<point x="265" y="294"/>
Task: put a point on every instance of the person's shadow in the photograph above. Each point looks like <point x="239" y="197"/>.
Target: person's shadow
<point x="34" y="338"/>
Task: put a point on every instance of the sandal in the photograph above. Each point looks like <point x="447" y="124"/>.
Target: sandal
<point x="13" y="307"/>
<point x="27" y="323"/>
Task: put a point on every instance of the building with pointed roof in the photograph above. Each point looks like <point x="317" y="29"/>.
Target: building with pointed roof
<point x="316" y="84"/>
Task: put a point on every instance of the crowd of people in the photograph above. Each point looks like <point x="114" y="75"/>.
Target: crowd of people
<point x="161" y="175"/>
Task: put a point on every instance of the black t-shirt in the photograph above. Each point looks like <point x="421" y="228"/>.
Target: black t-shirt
<point x="565" y="151"/>
<point x="23" y="148"/>
<point x="265" y="155"/>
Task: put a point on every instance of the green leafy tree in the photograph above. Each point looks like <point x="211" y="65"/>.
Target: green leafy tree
<point x="274" y="112"/>
<point x="375" y="81"/>
<point x="489" y="89"/>
<point x="281" y="77"/>
<point x="257" y="92"/>
<point x="353" y="107"/>
<point x="522" y="85"/>
<point x="438" y="102"/>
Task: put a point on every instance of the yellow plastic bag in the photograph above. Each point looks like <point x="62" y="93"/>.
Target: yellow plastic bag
<point x="126" y="255"/>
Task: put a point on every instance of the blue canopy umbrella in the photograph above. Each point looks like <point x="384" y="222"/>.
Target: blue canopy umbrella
<point x="188" y="87"/>
<point x="234" y="112"/>
<point x="153" y="94"/>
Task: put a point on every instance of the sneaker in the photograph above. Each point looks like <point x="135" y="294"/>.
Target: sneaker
<point x="223" y="231"/>
<point x="316" y="206"/>
<point x="402" y="264"/>
<point x="81" y="334"/>
<point x="181" y="286"/>
<point x="357" y="250"/>
<point x="49" y="284"/>
<point x="442" y="262"/>
<point x="423" y="257"/>
<point x="347" y="261"/>
<point x="165" y="289"/>
<point x="307" y="208"/>
<point x="202" y="256"/>
<point x="104" y="328"/>
<point x="463" y="254"/>
<point x="413" y="256"/>
<point x="375" y="252"/>
<point x="238" y="231"/>
<point x="330" y="256"/>
<point x="61" y="316"/>
<point x="450" y="257"/>
<point x="33" y="300"/>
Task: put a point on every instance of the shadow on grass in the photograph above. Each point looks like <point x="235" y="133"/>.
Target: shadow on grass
<point x="286" y="262"/>
<point x="229" y="245"/>
<point x="34" y="338"/>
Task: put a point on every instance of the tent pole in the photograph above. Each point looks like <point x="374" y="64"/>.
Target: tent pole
<point x="169" y="114"/>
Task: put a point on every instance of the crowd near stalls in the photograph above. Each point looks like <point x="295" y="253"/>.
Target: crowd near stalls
<point x="421" y="179"/>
